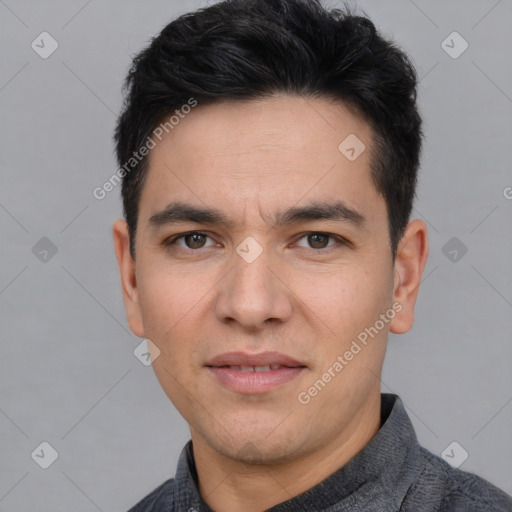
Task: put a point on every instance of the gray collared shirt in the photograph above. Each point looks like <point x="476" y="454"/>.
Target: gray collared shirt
<point x="392" y="473"/>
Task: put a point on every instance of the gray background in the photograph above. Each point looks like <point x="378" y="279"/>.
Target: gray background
<point x="68" y="372"/>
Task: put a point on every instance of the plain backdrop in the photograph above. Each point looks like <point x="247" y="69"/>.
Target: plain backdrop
<point x="68" y="374"/>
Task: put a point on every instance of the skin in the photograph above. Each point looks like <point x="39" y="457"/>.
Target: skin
<point x="310" y="301"/>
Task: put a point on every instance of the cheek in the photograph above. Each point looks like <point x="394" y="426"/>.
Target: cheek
<point x="171" y="308"/>
<point x="345" y="299"/>
<point x="349" y="302"/>
<point x="170" y="304"/>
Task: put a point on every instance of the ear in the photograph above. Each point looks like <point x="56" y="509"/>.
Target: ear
<point x="409" y="263"/>
<point x="128" y="278"/>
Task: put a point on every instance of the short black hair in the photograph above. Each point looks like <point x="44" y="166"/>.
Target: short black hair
<point x="250" y="49"/>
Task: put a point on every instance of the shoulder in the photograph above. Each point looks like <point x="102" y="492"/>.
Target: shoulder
<point x="445" y="488"/>
<point x="159" y="500"/>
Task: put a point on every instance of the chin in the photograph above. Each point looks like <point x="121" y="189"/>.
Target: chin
<point x="253" y="452"/>
<point x="252" y="445"/>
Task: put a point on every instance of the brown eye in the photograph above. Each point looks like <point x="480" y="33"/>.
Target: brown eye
<point x="318" y="240"/>
<point x="194" y="240"/>
<point x="321" y="242"/>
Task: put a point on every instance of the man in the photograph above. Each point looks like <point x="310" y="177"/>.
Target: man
<point x="269" y="153"/>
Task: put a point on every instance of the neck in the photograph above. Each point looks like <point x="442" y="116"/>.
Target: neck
<point x="230" y="485"/>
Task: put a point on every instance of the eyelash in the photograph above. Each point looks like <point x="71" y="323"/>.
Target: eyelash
<point x="341" y="241"/>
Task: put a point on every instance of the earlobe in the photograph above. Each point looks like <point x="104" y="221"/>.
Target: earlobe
<point x="128" y="277"/>
<point x="411" y="257"/>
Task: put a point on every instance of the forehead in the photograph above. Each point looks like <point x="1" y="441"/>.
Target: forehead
<point x="268" y="152"/>
<point x="299" y="124"/>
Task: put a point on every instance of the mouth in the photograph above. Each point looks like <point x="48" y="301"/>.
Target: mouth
<point x="254" y="373"/>
<point x="262" y="368"/>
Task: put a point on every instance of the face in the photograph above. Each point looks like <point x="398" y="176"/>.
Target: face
<point x="260" y="243"/>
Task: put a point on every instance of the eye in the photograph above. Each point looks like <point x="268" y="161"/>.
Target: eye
<point x="197" y="240"/>
<point x="317" y="240"/>
<point x="192" y="240"/>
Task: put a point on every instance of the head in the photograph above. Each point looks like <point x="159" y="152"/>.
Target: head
<point x="287" y="137"/>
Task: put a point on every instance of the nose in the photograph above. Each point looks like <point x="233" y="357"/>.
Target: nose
<point x="254" y="293"/>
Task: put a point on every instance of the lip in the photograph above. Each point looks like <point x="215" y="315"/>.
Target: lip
<point x="251" y="382"/>
<point x="261" y="359"/>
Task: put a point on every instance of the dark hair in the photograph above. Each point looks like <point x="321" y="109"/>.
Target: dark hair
<point x="249" y="49"/>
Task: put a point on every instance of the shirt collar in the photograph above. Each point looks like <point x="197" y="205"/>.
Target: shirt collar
<point x="377" y="478"/>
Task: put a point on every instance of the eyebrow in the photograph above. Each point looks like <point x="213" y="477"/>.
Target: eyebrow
<point x="184" y="212"/>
